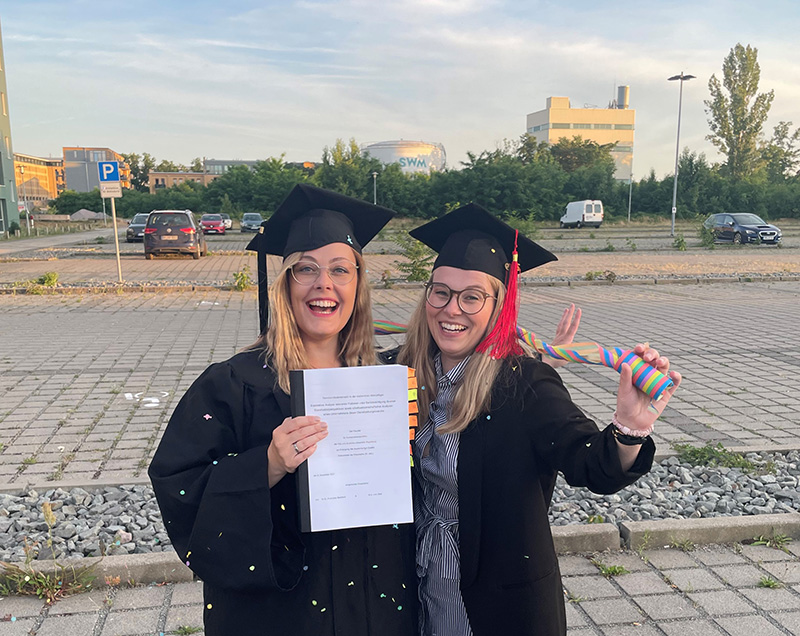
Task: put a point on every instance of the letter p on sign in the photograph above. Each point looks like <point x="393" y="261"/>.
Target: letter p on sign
<point x="108" y="171"/>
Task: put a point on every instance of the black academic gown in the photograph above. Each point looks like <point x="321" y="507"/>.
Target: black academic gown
<point x="261" y="575"/>
<point x="508" y="461"/>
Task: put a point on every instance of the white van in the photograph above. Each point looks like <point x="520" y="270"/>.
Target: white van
<point x="583" y="214"/>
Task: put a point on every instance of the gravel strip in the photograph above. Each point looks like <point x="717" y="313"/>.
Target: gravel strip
<point x="126" y="519"/>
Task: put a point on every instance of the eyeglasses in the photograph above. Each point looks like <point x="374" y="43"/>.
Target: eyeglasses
<point x="307" y="272"/>
<point x="470" y="301"/>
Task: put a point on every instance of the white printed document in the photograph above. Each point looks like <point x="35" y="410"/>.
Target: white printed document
<point x="360" y="474"/>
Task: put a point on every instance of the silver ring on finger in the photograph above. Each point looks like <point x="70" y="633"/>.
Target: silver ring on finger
<point x="296" y="450"/>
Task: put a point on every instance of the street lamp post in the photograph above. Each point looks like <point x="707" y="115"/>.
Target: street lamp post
<point x="682" y="78"/>
<point x="375" y="188"/>
<point x="24" y="199"/>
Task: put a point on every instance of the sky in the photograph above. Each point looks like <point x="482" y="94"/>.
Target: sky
<point x="252" y="80"/>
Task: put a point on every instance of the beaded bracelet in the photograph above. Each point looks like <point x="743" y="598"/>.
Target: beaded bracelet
<point x="628" y="436"/>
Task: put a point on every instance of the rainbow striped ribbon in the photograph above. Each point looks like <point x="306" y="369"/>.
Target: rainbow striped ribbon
<point x="645" y="378"/>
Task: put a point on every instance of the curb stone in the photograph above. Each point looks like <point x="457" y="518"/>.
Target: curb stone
<point x="664" y="532"/>
<point x="165" y="567"/>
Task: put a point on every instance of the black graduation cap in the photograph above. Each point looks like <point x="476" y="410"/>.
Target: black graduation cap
<point x="309" y="218"/>
<point x="470" y="237"/>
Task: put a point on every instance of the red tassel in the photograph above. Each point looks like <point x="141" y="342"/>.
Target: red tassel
<point x="502" y="341"/>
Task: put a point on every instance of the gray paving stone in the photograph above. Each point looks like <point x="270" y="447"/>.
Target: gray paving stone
<point x="763" y="554"/>
<point x="785" y="572"/>
<point x="748" y="626"/>
<point x="721" y="602"/>
<point x="572" y="564"/>
<point x="717" y="555"/>
<point x="139" y="597"/>
<point x="71" y="624"/>
<point x="131" y="622"/>
<point x="640" y="583"/>
<point x="607" y="612"/>
<point x="590" y="587"/>
<point x="664" y="606"/>
<point x="18" y="627"/>
<point x="20" y="606"/>
<point x="691" y="628"/>
<point x="185" y="616"/>
<point x="669" y="559"/>
<point x="739" y="575"/>
<point x="790" y="620"/>
<point x="93" y="601"/>
<point x="771" y="599"/>
<point x="630" y="630"/>
<point x="692" y="580"/>
<point x="187" y="593"/>
<point x="574" y="618"/>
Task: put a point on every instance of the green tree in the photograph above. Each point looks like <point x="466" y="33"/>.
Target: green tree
<point x="140" y="166"/>
<point x="780" y="154"/>
<point x="344" y="169"/>
<point x="577" y="152"/>
<point x="737" y="111"/>
<point x="196" y="165"/>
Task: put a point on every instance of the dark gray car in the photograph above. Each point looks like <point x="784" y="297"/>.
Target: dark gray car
<point x="173" y="232"/>
<point x="251" y="221"/>
<point x="136" y="225"/>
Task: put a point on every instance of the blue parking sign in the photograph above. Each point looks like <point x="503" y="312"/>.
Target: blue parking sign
<point x="109" y="171"/>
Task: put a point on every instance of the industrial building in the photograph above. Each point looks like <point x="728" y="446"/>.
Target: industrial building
<point x="411" y="156"/>
<point x="615" y="124"/>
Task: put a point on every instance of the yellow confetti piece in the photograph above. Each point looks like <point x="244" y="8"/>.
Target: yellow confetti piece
<point x="314" y="603"/>
<point x="188" y="554"/>
<point x="283" y="507"/>
<point x="404" y="586"/>
<point x="252" y="568"/>
<point x="209" y="606"/>
<point x="334" y="547"/>
<point x="350" y="584"/>
<point x="323" y="609"/>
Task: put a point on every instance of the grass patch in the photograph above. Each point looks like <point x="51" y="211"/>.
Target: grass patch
<point x="713" y="455"/>
<point x="769" y="582"/>
<point x="609" y="570"/>
<point x="241" y="279"/>
<point x="777" y="541"/>
<point x="685" y="545"/>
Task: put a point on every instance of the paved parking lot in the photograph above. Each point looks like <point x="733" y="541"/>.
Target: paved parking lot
<point x="88" y="381"/>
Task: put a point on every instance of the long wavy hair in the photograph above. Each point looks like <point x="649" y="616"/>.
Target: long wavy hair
<point x="282" y="344"/>
<point x="473" y="395"/>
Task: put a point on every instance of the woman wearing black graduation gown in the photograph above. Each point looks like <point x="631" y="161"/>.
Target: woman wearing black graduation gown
<point x="496" y="426"/>
<point x="223" y="473"/>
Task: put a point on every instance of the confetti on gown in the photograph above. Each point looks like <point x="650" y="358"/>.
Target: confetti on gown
<point x="645" y="378"/>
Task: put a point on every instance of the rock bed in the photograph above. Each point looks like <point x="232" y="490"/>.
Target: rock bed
<point x="126" y="519"/>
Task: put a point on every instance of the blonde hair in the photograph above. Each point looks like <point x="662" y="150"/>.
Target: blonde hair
<point x="282" y="343"/>
<point x="474" y="393"/>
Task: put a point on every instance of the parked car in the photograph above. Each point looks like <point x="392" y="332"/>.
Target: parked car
<point x="742" y="227"/>
<point x="212" y="224"/>
<point x="226" y="220"/>
<point x="173" y="232"/>
<point x="136" y="225"/>
<point x="587" y="213"/>
<point x="251" y="221"/>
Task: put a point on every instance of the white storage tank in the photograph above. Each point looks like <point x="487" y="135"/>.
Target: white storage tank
<point x="411" y="156"/>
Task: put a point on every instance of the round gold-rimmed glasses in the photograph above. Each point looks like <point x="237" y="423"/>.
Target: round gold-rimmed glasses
<point x="340" y="273"/>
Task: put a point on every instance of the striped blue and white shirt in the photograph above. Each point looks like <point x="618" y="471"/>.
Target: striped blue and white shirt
<point x="442" y="611"/>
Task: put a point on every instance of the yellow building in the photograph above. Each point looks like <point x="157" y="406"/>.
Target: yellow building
<point x="38" y="179"/>
<point x="80" y="167"/>
<point x="615" y="124"/>
<point x="158" y="180"/>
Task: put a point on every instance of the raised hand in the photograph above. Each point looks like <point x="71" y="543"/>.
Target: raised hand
<point x="565" y="333"/>
<point x="635" y="409"/>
